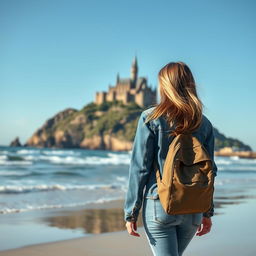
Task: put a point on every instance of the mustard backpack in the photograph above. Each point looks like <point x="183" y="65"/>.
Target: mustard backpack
<point x="187" y="183"/>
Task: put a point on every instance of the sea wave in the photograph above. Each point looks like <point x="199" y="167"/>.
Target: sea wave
<point x="23" y="174"/>
<point x="28" y="151"/>
<point x="53" y="206"/>
<point x="8" y="163"/>
<point x="121" y="178"/>
<point x="233" y="160"/>
<point x="7" y="189"/>
<point x="237" y="168"/>
<point x="113" y="159"/>
<point x="234" y="181"/>
<point x="57" y="156"/>
<point x="60" y="152"/>
<point x="18" y="173"/>
<point x="47" y="151"/>
<point x="85" y="157"/>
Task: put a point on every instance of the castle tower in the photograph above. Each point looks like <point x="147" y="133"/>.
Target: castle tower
<point x="133" y="89"/>
<point x="134" y="69"/>
<point x="117" y="78"/>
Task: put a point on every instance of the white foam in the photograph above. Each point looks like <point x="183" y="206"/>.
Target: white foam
<point x="220" y="161"/>
<point x="15" y="173"/>
<point x="113" y="159"/>
<point x="4" y="152"/>
<point x="6" y="162"/>
<point x="72" y="158"/>
<point x="60" y="152"/>
<point x="27" y="151"/>
<point x="236" y="168"/>
<point x="44" y="187"/>
<point x="121" y="178"/>
<point x="48" y="206"/>
<point x="46" y="151"/>
<point x="236" y="158"/>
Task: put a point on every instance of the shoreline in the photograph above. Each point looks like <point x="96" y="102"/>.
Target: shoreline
<point x="54" y="225"/>
<point x="225" y="151"/>
<point x="58" y="224"/>
<point x="240" y="154"/>
<point x="224" y="239"/>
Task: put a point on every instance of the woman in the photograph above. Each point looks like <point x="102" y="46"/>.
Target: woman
<point x="179" y="111"/>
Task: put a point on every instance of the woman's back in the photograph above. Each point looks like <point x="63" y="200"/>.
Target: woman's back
<point x="156" y="139"/>
<point x="179" y="112"/>
<point x="161" y="130"/>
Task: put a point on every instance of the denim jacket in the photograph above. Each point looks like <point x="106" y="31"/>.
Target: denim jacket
<point x="151" y="143"/>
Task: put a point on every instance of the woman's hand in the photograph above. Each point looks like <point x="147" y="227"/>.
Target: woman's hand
<point x="205" y="226"/>
<point x="132" y="228"/>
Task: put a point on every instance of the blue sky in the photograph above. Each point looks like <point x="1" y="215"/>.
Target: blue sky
<point x="57" y="54"/>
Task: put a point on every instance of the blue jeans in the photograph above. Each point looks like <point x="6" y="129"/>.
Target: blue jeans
<point x="168" y="235"/>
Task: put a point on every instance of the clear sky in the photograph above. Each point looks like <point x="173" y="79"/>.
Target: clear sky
<point x="56" y="54"/>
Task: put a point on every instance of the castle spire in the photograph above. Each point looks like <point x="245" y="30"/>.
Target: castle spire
<point x="117" y="78"/>
<point x="134" y="69"/>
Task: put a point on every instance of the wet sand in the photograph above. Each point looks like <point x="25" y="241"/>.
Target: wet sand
<point x="233" y="232"/>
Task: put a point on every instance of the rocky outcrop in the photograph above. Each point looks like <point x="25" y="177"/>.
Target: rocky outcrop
<point x="110" y="126"/>
<point x="49" y="135"/>
<point x="107" y="142"/>
<point x="15" y="143"/>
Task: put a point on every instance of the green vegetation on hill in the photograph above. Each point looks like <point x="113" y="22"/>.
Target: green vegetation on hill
<point x="222" y="141"/>
<point x="73" y="128"/>
<point x="111" y="118"/>
<point x="111" y="125"/>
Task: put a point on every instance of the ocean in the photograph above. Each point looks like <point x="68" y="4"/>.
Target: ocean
<point x="38" y="179"/>
<point x="33" y="179"/>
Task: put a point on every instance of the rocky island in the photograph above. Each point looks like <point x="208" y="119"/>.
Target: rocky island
<point x="106" y="126"/>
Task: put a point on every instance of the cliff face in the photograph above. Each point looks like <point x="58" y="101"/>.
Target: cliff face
<point x="50" y="135"/>
<point x="109" y="126"/>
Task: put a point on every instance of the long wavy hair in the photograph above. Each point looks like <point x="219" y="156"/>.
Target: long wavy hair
<point x="179" y="102"/>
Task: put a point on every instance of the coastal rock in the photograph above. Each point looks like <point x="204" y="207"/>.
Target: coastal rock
<point x="109" y="126"/>
<point x="15" y="143"/>
<point x="96" y="142"/>
<point x="45" y="136"/>
<point x="106" y="142"/>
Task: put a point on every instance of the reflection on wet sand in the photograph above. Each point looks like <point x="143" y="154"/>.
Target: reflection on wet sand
<point x="92" y="221"/>
<point x="96" y="221"/>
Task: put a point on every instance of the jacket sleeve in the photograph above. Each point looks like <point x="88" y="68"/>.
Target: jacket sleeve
<point x="140" y="166"/>
<point x="209" y="144"/>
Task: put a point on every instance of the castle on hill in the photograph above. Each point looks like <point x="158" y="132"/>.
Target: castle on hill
<point x="133" y="89"/>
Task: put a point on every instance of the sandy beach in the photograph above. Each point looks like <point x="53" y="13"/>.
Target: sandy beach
<point x="232" y="234"/>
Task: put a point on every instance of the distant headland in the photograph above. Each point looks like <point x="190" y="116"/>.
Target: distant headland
<point x="106" y="126"/>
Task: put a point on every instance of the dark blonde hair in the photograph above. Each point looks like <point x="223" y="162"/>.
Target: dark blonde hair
<point x="179" y="100"/>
